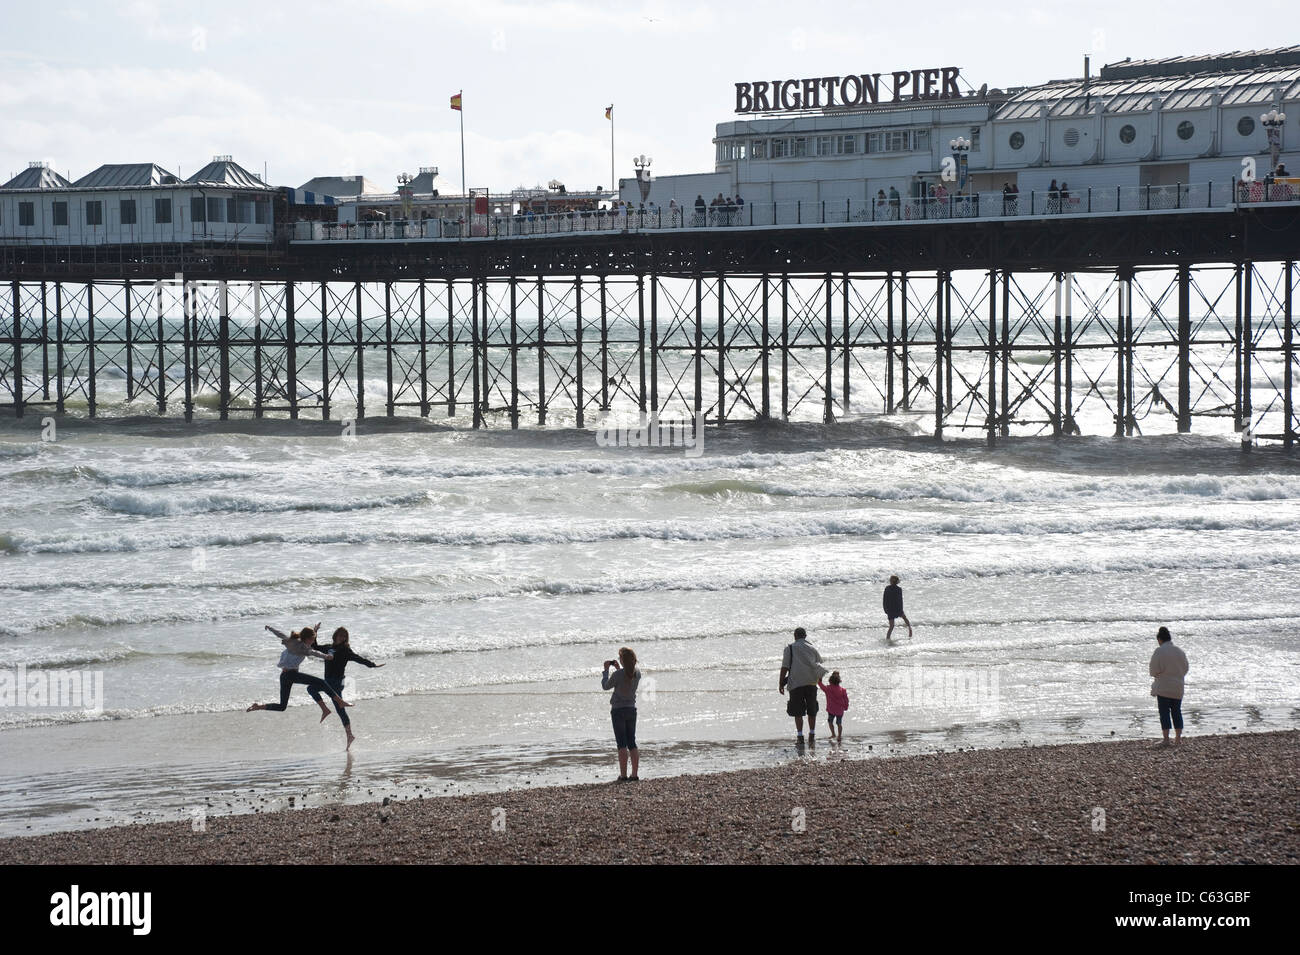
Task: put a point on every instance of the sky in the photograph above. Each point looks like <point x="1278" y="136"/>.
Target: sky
<point x="341" y="87"/>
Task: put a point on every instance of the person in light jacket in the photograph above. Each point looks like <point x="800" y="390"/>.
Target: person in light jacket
<point x="1168" y="667"/>
<point x="622" y="710"/>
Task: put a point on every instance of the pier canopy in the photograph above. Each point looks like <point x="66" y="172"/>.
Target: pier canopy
<point x="225" y="172"/>
<point x="1179" y="84"/>
<point x="36" y="176"/>
<point x="126" y="175"/>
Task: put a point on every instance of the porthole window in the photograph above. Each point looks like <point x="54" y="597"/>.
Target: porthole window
<point x="1245" y="125"/>
<point x="1186" y="130"/>
<point x="1072" y="137"/>
<point x="1127" y="133"/>
<point x="1017" y="140"/>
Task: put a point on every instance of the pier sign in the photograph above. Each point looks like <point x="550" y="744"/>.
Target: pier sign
<point x="861" y="89"/>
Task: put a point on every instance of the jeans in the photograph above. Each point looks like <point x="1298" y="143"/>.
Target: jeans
<point x="288" y="678"/>
<point x="624" y="719"/>
<point x="337" y="687"/>
<point x="1171" y="710"/>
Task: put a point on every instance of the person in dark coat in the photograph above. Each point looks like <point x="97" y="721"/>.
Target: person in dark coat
<point x="336" y="669"/>
<point x="894" y="607"/>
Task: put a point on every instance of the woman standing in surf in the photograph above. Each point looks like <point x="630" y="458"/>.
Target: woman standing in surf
<point x="622" y="708"/>
<point x="297" y="647"/>
<point x="341" y="654"/>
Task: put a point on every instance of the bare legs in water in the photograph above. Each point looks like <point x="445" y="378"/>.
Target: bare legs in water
<point x="889" y="634"/>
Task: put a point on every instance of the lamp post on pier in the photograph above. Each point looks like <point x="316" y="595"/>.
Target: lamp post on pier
<point x="960" y="150"/>
<point x="642" y="165"/>
<point x="1273" y="121"/>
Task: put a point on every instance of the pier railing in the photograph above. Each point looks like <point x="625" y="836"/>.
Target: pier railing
<point x="1039" y="204"/>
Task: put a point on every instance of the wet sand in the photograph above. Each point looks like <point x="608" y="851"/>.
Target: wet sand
<point x="1214" y="799"/>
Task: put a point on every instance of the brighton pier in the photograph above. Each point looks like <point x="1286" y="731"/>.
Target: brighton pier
<point x="849" y="267"/>
<point x="1001" y="326"/>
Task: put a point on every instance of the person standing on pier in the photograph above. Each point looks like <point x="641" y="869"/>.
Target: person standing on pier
<point x="894" y="607"/>
<point x="1168" y="667"/>
<point x="801" y="671"/>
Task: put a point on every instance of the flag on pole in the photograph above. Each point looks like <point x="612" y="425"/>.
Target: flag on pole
<point x="609" y="111"/>
<point x="455" y="102"/>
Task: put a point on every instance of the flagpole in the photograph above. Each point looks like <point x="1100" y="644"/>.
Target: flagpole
<point x="611" y="148"/>
<point x="464" y="191"/>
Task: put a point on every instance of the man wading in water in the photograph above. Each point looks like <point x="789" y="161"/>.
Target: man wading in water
<point x="801" y="669"/>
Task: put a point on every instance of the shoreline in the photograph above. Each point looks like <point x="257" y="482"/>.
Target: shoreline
<point x="1215" y="800"/>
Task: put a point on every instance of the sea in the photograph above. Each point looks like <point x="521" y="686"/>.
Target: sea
<point x="493" y="571"/>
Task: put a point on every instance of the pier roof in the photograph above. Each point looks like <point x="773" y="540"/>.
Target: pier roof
<point x="36" y="176"/>
<point x="225" y="172"/>
<point x="124" y="175"/>
<point x="1240" y="60"/>
<point x="1136" y="93"/>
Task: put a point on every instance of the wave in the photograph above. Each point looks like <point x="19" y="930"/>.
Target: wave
<point x="19" y="449"/>
<point x="65" y="658"/>
<point x="1020" y="489"/>
<point x="870" y="665"/>
<point x="202" y="586"/>
<point x="722" y="488"/>
<point x="619" y="465"/>
<point x="333" y="601"/>
<point x="153" y="505"/>
<point x="143" y="476"/>
<point x="912" y="525"/>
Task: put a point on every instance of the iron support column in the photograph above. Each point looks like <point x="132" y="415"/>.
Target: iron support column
<point x="1184" y="350"/>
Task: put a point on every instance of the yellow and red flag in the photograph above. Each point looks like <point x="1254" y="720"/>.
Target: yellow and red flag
<point x="609" y="111"/>
<point x="455" y="102"/>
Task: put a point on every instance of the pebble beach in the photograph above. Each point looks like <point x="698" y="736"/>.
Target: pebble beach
<point x="1212" y="800"/>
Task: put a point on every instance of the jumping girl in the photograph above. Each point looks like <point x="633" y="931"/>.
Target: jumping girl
<point x="297" y="647"/>
<point x="341" y="655"/>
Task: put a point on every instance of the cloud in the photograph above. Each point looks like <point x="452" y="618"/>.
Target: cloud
<point x="79" y="117"/>
<point x="589" y="23"/>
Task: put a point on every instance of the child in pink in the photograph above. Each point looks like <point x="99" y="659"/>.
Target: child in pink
<point x="837" y="701"/>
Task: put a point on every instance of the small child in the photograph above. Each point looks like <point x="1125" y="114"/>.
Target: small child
<point x="837" y="701"/>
